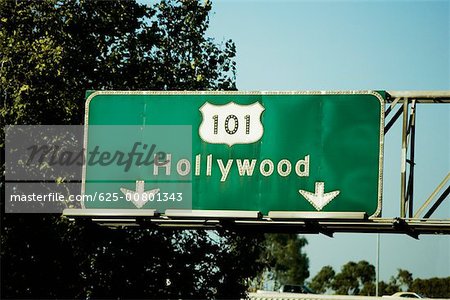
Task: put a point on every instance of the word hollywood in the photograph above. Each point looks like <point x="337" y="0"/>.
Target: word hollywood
<point x="245" y="167"/>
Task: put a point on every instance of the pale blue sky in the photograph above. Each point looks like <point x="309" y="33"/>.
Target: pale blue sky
<point x="354" y="45"/>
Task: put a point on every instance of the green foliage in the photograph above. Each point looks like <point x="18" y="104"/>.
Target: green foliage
<point x="404" y="279"/>
<point x="322" y="281"/>
<point x="359" y="279"/>
<point x="388" y="288"/>
<point x="284" y="260"/>
<point x="401" y="282"/>
<point x="433" y="287"/>
<point x="51" y="53"/>
<point x="354" y="279"/>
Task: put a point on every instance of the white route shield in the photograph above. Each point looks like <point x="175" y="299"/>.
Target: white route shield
<point x="231" y="123"/>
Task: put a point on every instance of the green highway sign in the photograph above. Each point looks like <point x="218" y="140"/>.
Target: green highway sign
<point x="315" y="152"/>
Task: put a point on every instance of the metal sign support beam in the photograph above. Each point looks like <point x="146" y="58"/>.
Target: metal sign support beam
<point x="407" y="98"/>
<point x="412" y="134"/>
<point x="403" y="161"/>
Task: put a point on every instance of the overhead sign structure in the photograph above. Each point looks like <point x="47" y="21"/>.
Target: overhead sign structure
<point x="267" y="152"/>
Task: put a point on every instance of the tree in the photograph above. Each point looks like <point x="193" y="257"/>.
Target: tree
<point x="355" y="279"/>
<point x="323" y="279"/>
<point x="387" y="288"/>
<point x="284" y="260"/>
<point x="433" y="287"/>
<point x="359" y="279"/>
<point x="404" y="279"/>
<point x="402" y="282"/>
<point x="51" y="53"/>
<point x="346" y="282"/>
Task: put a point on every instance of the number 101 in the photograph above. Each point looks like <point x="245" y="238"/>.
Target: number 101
<point x="234" y="125"/>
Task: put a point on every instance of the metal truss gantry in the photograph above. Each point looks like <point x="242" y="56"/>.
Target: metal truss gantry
<point x="408" y="109"/>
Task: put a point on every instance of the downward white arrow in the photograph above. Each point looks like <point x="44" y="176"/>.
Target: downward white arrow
<point x="319" y="199"/>
<point x="139" y="197"/>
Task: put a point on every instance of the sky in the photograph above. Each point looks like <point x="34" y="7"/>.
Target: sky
<point x="357" y="45"/>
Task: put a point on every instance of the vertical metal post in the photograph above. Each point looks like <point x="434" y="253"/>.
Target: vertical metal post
<point x="411" y="158"/>
<point x="378" y="267"/>
<point x="403" y="160"/>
